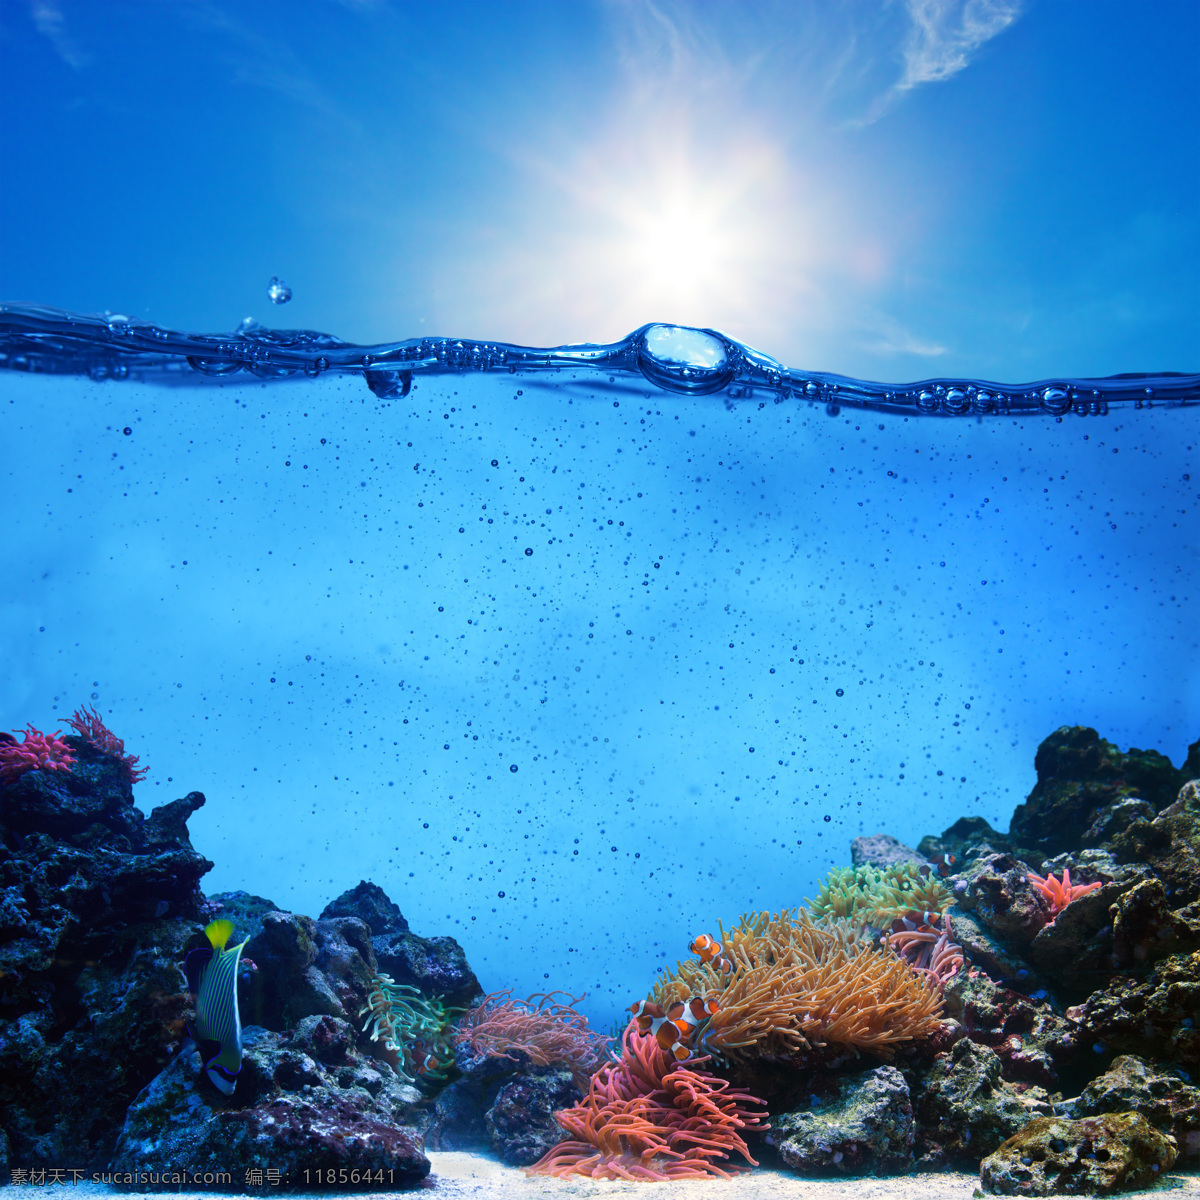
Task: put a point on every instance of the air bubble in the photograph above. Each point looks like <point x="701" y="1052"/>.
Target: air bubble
<point x="278" y="292"/>
<point x="682" y="359"/>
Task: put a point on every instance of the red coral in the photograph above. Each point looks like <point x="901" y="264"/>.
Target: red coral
<point x="647" y="1117"/>
<point x="1060" y="892"/>
<point x="38" y="752"/>
<point x="88" y="724"/>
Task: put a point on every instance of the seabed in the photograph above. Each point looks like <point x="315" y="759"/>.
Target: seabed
<point x="458" y="1174"/>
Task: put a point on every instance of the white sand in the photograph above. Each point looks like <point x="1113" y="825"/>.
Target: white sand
<point x="480" y="1177"/>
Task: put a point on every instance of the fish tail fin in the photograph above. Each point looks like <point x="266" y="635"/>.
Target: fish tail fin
<point x="218" y="932"/>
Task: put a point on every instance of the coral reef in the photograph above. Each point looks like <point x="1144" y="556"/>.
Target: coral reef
<point x="649" y="1117"/>
<point x="1094" y="1156"/>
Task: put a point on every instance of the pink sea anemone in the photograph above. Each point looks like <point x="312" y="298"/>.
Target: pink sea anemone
<point x="89" y="725"/>
<point x="1060" y="892"/>
<point x="647" y="1117"/>
<point x="38" y="752"/>
<point x="930" y="951"/>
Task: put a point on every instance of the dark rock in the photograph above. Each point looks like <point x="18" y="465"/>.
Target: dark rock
<point x="881" y="850"/>
<point x="244" y="910"/>
<point x="1076" y="949"/>
<point x="97" y="905"/>
<point x="1153" y="1016"/>
<point x="1032" y="1041"/>
<point x="964" y="1109"/>
<point x="291" y="1113"/>
<point x="966" y="839"/>
<point x="1145" y="929"/>
<point x="435" y="966"/>
<point x="1169" y="845"/>
<point x="983" y="949"/>
<point x="866" y="1129"/>
<point x="1079" y="774"/>
<point x="1160" y="1095"/>
<point x="1001" y="895"/>
<point x="371" y="905"/>
<point x="1094" y="1156"/>
<point x="521" y="1124"/>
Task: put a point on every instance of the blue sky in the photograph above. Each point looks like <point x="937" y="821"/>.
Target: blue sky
<point x="893" y="190"/>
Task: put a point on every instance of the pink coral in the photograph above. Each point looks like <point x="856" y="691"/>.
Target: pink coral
<point x="38" y="752"/>
<point x="1060" y="892"/>
<point x="89" y="725"/>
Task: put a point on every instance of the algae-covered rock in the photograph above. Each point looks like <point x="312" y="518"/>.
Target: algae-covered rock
<point x="1154" y="1016"/>
<point x="1079" y="775"/>
<point x="968" y="838"/>
<point x="1145" y="928"/>
<point x="999" y="893"/>
<point x="292" y="1119"/>
<point x="965" y="1109"/>
<point x="1032" y="1041"/>
<point x="1170" y="845"/>
<point x="1159" y="1094"/>
<point x="1101" y="1155"/>
<point x="867" y="1127"/>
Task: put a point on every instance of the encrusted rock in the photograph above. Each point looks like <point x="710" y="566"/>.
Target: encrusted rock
<point x="1145" y="929"/>
<point x="866" y="1128"/>
<point x="1076" y="948"/>
<point x="521" y="1124"/>
<point x="291" y="1113"/>
<point x="92" y="999"/>
<point x="967" y="839"/>
<point x="881" y="850"/>
<point x="1159" y="1094"/>
<point x="1153" y="1016"/>
<point x="1170" y="844"/>
<point x="965" y="1109"/>
<point x="1093" y="1156"/>
<point x="998" y="891"/>
<point x="1032" y="1041"/>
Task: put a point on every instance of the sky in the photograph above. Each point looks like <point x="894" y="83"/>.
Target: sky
<point x="892" y="190"/>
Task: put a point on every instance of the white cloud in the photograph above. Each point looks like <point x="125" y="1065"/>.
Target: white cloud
<point x="50" y="23"/>
<point x="946" y="34"/>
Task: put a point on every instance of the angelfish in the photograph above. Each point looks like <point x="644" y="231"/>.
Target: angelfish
<point x="212" y="973"/>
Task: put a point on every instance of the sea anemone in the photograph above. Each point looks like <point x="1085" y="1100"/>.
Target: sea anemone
<point x="646" y="1117"/>
<point x="414" y="1030"/>
<point x="797" y="983"/>
<point x="544" y="1029"/>
<point x="38" y="752"/>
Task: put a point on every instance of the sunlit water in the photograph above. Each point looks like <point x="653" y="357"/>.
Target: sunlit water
<point x="577" y="651"/>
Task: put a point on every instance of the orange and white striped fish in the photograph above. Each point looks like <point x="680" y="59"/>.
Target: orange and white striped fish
<point x="709" y="950"/>
<point x="673" y="1028"/>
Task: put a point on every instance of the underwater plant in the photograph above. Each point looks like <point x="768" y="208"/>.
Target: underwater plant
<point x="647" y="1117"/>
<point x="796" y="983"/>
<point x="415" y="1030"/>
<point x="88" y="724"/>
<point x="1060" y="892"/>
<point x="37" y="752"/>
<point x="546" y="1030"/>
<point x="878" y="897"/>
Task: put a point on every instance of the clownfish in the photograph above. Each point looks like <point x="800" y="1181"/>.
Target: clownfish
<point x="212" y="973"/>
<point x="671" y="1028"/>
<point x="943" y="863"/>
<point x="708" y="949"/>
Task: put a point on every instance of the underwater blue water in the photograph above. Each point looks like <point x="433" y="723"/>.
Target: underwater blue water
<point x="578" y="658"/>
